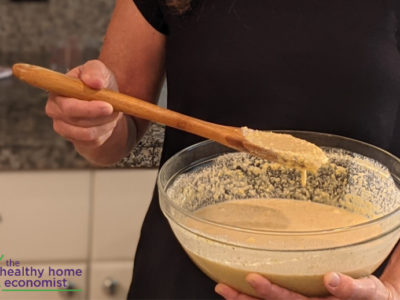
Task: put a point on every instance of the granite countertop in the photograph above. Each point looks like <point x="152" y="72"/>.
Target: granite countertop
<point x="28" y="142"/>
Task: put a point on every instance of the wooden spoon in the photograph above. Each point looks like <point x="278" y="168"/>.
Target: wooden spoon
<point x="241" y="139"/>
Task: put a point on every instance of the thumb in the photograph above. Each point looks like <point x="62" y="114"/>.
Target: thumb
<point x="95" y="74"/>
<point x="346" y="288"/>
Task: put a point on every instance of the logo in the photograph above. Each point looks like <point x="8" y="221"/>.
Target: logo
<point x="15" y="277"/>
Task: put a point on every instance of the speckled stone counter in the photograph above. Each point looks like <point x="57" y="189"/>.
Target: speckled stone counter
<point x="48" y="25"/>
<point x="28" y="142"/>
<point x="57" y="34"/>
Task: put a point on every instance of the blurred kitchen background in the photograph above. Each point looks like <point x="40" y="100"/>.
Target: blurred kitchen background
<point x="55" y="208"/>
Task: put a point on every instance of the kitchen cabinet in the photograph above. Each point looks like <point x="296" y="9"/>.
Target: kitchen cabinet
<point x="44" y="215"/>
<point x="110" y="280"/>
<point x="78" y="219"/>
<point x="121" y="201"/>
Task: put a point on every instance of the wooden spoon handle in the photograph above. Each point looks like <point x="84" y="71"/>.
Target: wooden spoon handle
<point x="72" y="87"/>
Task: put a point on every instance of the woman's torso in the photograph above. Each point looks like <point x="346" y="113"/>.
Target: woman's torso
<point x="321" y="65"/>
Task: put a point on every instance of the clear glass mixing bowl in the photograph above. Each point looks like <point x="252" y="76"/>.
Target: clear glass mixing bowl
<point x="367" y="183"/>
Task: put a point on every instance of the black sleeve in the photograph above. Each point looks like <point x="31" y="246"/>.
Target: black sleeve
<point x="151" y="11"/>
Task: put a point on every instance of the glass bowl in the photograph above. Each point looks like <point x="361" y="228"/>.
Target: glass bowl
<point x="360" y="178"/>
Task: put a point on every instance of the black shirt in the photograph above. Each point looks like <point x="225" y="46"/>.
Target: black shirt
<point x="321" y="65"/>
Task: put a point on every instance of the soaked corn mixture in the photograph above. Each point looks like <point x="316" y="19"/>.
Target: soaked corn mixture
<point x="348" y="181"/>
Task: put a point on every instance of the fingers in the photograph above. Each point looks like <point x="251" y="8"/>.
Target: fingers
<point x="75" y="72"/>
<point x="347" y="288"/>
<point x="85" y="123"/>
<point x="342" y="287"/>
<point x="96" y="75"/>
<point x="269" y="291"/>
<point x="86" y="137"/>
<point x="78" y="112"/>
<point x="264" y="288"/>
<point x="230" y="294"/>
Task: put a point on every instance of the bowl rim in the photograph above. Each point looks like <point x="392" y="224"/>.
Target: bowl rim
<point x="161" y="189"/>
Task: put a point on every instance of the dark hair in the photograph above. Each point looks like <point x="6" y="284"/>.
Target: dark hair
<point x="179" y="6"/>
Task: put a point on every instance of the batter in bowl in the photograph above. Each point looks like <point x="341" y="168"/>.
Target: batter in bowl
<point x="277" y="215"/>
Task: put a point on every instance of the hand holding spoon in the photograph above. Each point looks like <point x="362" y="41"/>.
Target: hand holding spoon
<point x="282" y="148"/>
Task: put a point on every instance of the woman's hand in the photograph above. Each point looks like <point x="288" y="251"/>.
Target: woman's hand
<point x="342" y="287"/>
<point x="87" y="124"/>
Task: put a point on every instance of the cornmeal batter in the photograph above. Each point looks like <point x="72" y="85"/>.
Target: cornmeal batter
<point x="285" y="149"/>
<point x="275" y="215"/>
<point x="279" y="214"/>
